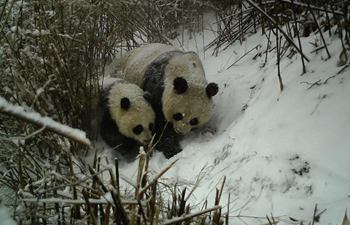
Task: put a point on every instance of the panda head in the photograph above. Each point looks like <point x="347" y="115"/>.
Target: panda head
<point x="132" y="113"/>
<point x="188" y="106"/>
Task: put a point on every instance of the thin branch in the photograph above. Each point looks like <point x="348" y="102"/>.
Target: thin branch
<point x="157" y="177"/>
<point x="313" y="7"/>
<point x="245" y="54"/>
<point x="49" y="124"/>
<point x="316" y="83"/>
<point x="76" y="201"/>
<point x="186" y="217"/>
<point x="319" y="29"/>
<point x="278" y="27"/>
<point x="339" y="72"/>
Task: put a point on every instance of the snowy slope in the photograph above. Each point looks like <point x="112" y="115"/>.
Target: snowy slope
<point x="281" y="152"/>
<point x="5" y="218"/>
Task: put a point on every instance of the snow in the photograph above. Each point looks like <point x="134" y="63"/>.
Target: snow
<point x="281" y="152"/>
<point x="46" y="122"/>
<point x="5" y="218"/>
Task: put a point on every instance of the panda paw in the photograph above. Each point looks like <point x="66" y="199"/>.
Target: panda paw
<point x="171" y="152"/>
<point x="169" y="146"/>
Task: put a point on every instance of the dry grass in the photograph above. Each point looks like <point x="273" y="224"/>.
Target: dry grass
<point x="52" y="56"/>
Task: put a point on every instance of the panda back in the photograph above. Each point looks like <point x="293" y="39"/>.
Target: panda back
<point x="134" y="68"/>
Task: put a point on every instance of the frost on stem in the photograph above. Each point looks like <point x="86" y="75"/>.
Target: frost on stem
<point x="48" y="123"/>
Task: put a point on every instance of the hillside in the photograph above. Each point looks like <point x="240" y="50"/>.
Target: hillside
<point x="281" y="152"/>
<point x="274" y="152"/>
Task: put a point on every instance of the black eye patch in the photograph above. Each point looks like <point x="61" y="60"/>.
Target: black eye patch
<point x="194" y="121"/>
<point x="177" y="116"/>
<point x="138" y="129"/>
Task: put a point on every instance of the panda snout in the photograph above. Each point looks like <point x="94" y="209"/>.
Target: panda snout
<point x="182" y="128"/>
<point x="146" y="141"/>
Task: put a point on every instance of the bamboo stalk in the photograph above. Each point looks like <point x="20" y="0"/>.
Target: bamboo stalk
<point x="319" y="29"/>
<point x="279" y="28"/>
<point x="157" y="177"/>
<point x="63" y="201"/>
<point x="49" y="124"/>
<point x="189" y="216"/>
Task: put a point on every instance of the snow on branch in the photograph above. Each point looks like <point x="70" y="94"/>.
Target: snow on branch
<point x="75" y="201"/>
<point x="45" y="122"/>
<point x="189" y="216"/>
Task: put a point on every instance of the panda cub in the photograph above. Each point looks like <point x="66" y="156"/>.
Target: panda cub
<point x="180" y="93"/>
<point x="127" y="119"/>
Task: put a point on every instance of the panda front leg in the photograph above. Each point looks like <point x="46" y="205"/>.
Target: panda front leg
<point x="168" y="141"/>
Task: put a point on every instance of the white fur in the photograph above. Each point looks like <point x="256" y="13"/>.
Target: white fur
<point x="194" y="103"/>
<point x="139" y="113"/>
<point x="134" y="64"/>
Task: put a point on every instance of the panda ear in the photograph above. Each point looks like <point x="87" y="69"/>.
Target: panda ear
<point x="212" y="89"/>
<point x="147" y="96"/>
<point x="180" y="85"/>
<point x="125" y="103"/>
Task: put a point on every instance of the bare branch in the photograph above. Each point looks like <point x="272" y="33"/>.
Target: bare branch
<point x="76" y="201"/>
<point x="189" y="216"/>
<point x="49" y="124"/>
<point x="278" y="27"/>
<point x="157" y="177"/>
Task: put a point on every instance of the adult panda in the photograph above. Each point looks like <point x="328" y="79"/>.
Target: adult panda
<point x="180" y="93"/>
<point x="127" y="118"/>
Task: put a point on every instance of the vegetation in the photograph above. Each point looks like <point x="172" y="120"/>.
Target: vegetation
<point x="52" y="56"/>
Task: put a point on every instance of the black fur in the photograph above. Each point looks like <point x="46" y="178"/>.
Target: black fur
<point x="109" y="132"/>
<point x="168" y="142"/>
<point x="212" y="89"/>
<point x="98" y="124"/>
<point x="180" y="85"/>
<point x="148" y="97"/>
<point x="125" y="103"/>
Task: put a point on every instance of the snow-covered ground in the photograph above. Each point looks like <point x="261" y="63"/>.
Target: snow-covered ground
<point x="281" y="152"/>
<point x="5" y="218"/>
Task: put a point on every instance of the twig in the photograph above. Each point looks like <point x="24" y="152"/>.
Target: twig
<point x="298" y="36"/>
<point x="117" y="175"/>
<point x="157" y="177"/>
<point x="245" y="54"/>
<point x="228" y="209"/>
<point x="313" y="7"/>
<point x="221" y="190"/>
<point x="339" y="72"/>
<point x="319" y="29"/>
<point x="49" y="124"/>
<point x="119" y="212"/>
<point x="76" y="201"/>
<point x="142" y="212"/>
<point x="279" y="28"/>
<point x="186" y="217"/>
<point x="321" y="97"/>
<point x="314" y="216"/>
<point x="278" y="61"/>
<point x="318" y="82"/>
<point x="319" y="48"/>
<point x="3" y="25"/>
<point x="15" y="139"/>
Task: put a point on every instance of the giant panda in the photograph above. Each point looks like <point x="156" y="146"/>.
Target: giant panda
<point x="180" y="93"/>
<point x="127" y="118"/>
